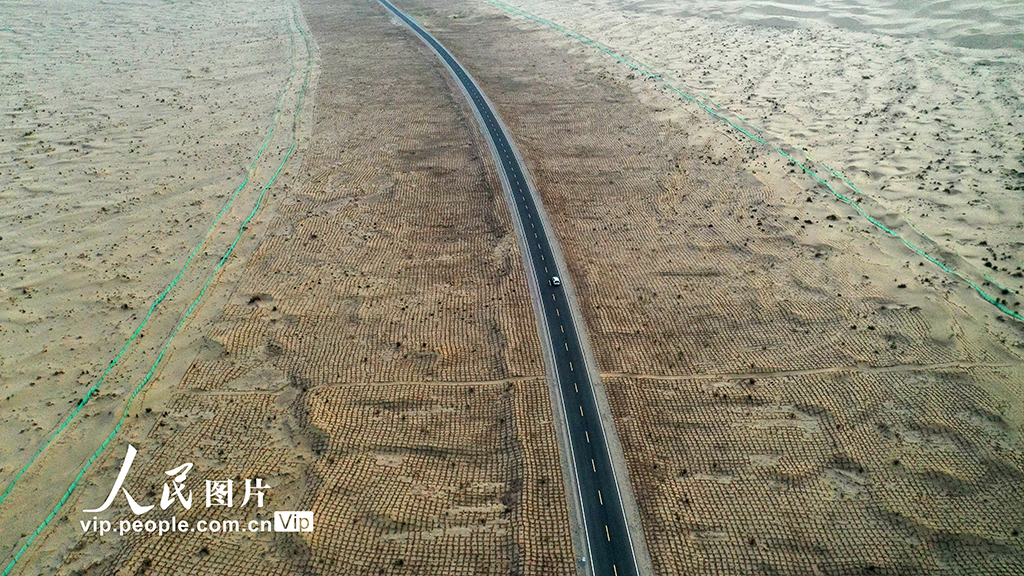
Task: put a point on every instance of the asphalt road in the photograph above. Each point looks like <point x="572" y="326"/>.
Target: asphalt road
<point x="611" y="550"/>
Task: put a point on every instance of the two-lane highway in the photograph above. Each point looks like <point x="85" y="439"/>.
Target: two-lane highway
<point x="610" y="546"/>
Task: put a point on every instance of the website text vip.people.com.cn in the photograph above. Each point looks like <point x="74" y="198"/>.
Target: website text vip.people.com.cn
<point x="284" y="521"/>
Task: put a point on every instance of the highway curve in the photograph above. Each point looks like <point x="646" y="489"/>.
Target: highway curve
<point x="607" y="532"/>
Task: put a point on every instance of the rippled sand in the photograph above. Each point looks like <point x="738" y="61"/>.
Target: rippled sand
<point x="126" y="128"/>
<point x="927" y="135"/>
<point x="977" y="24"/>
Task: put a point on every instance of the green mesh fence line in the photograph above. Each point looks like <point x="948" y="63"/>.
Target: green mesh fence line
<point x="650" y="73"/>
<point x="149" y="375"/>
<point x="1000" y="286"/>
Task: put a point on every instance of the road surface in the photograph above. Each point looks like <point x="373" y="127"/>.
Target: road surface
<point x="607" y="533"/>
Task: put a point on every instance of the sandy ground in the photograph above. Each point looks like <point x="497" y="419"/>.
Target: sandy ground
<point x="928" y="127"/>
<point x="128" y="129"/>
<point x="372" y="353"/>
<point x="796" y="392"/>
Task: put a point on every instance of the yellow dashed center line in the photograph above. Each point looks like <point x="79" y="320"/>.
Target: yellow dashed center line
<point x="592" y="465"/>
<point x="600" y="498"/>
<point x="588" y="436"/>
<point x="607" y="534"/>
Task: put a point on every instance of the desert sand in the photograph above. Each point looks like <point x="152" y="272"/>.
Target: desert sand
<point x="136" y="140"/>
<point x="796" y="391"/>
<point x="912" y="111"/>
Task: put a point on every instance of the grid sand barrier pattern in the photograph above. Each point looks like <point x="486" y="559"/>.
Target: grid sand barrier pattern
<point x="886" y="472"/>
<point x="377" y="361"/>
<point x="794" y="393"/>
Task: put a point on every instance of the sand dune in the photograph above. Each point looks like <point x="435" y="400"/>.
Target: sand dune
<point x="977" y="24"/>
<point x="929" y="133"/>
